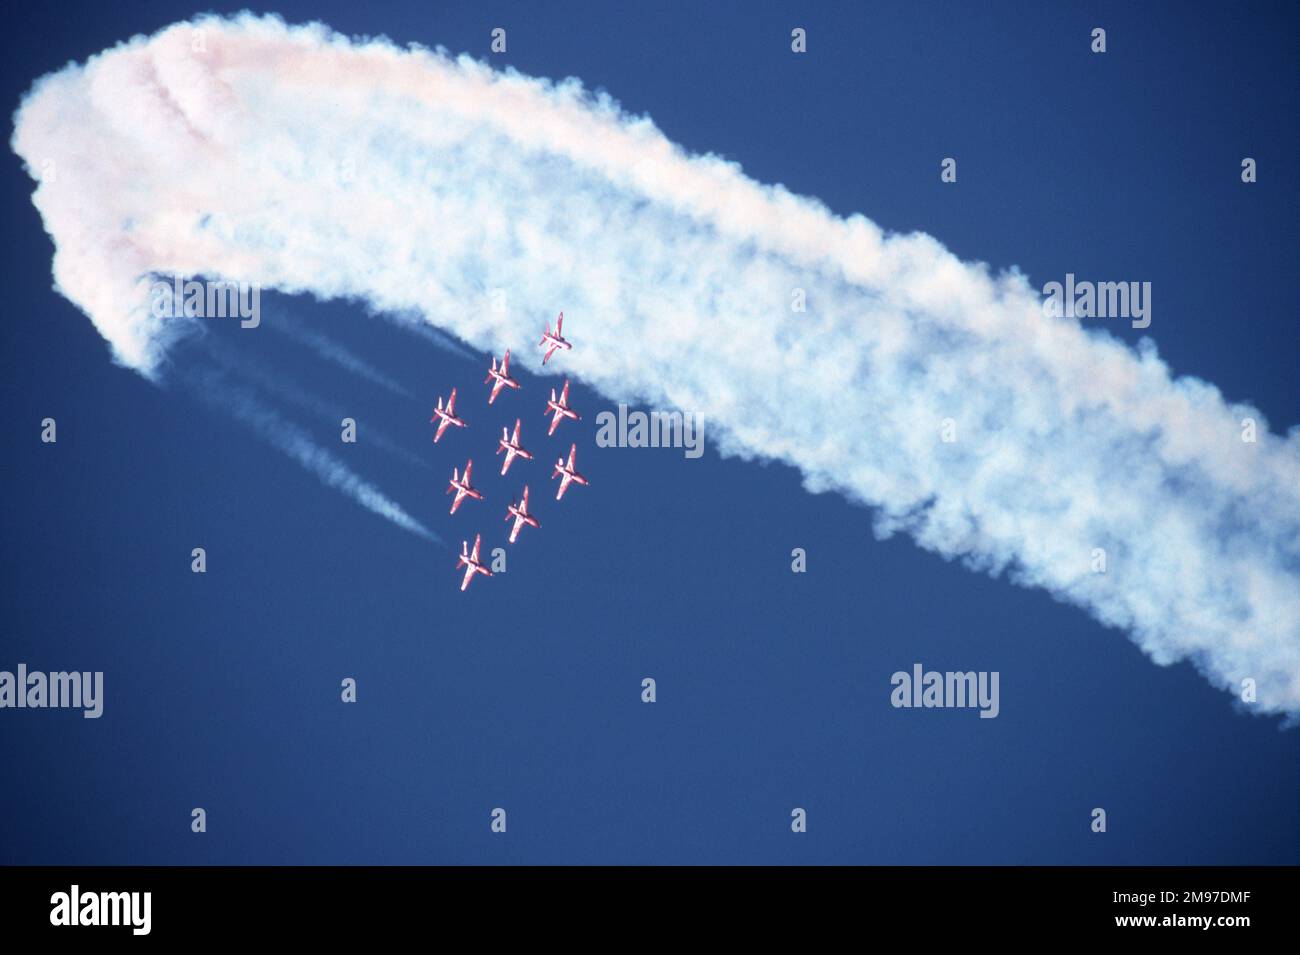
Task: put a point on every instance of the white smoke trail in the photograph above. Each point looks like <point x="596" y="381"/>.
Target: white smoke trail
<point x="415" y="323"/>
<point x="332" y="351"/>
<point x="303" y="161"/>
<point x="246" y="367"/>
<point x="213" y="388"/>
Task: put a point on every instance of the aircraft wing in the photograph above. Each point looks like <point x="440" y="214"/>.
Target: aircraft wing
<point x="451" y="402"/>
<point x="442" y="426"/>
<point x="573" y="452"/>
<point x="559" y="326"/>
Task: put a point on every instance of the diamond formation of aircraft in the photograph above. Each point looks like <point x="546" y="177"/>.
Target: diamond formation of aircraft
<point x="462" y="486"/>
<point x="569" y="472"/>
<point x="560" y="408"/>
<point x="470" y="562"/>
<point x="500" y="379"/>
<point x="446" y="416"/>
<point x="554" y="340"/>
<point x="521" y="516"/>
<point x="509" y="443"/>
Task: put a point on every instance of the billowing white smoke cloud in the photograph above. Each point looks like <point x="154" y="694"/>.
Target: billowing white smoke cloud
<point x="297" y="159"/>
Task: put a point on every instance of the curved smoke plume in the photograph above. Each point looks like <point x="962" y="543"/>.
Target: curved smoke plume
<point x="300" y="160"/>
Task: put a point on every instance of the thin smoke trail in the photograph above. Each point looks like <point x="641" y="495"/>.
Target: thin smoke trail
<point x="251" y="370"/>
<point x="214" y="390"/>
<point x="484" y="201"/>
<point x="332" y="351"/>
<point x="417" y="325"/>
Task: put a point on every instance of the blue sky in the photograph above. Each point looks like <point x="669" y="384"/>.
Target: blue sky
<point x="773" y="688"/>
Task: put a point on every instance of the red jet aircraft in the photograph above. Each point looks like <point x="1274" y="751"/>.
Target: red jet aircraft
<point x="560" y="408"/>
<point x="500" y="379"/>
<point x="568" y="470"/>
<point x="470" y="562"/>
<point x="462" y="486"/>
<point x="447" y="416"/>
<point x="521" y="516"/>
<point x="554" y="340"/>
<point x="510" y="445"/>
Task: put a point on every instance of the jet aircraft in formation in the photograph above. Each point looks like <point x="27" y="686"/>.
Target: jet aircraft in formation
<point x="462" y="487"/>
<point x="553" y="340"/>
<point x="560" y="408"/>
<point x="499" y="376"/>
<point x="470" y="562"/>
<point x="509" y="443"/>
<point x="500" y="379"/>
<point x="567" y="470"/>
<point x="446" y="416"/>
<point x="521" y="516"/>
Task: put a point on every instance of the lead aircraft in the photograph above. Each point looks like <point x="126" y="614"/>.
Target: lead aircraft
<point x="554" y="340"/>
